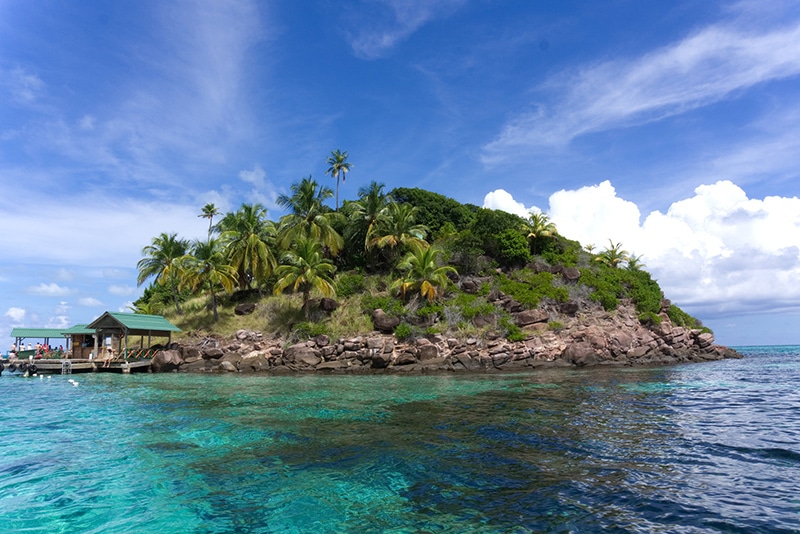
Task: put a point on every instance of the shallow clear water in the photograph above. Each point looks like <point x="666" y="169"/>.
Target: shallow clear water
<point x="701" y="447"/>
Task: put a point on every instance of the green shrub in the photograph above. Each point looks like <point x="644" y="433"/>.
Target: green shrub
<point x="307" y="329"/>
<point x="510" y="330"/>
<point x="472" y="306"/>
<point x="403" y="331"/>
<point x="555" y="326"/>
<point x="349" y="284"/>
<point x="390" y="305"/>
<point x="649" y="318"/>
<point x="512" y="248"/>
<point x="681" y="318"/>
<point x="529" y="288"/>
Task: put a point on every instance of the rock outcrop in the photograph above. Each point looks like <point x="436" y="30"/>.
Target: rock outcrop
<point x="568" y="335"/>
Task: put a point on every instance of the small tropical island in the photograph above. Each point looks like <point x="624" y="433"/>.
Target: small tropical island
<point x="406" y="281"/>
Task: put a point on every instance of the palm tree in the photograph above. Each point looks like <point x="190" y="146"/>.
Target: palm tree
<point x="160" y="261"/>
<point x="537" y="226"/>
<point x="209" y="211"/>
<point x="635" y="263"/>
<point x="613" y="256"/>
<point x="308" y="217"/>
<point x="339" y="167"/>
<point x="364" y="214"/>
<point x="207" y="266"/>
<point x="423" y="274"/>
<point x="249" y="237"/>
<point x="396" y="228"/>
<point x="303" y="268"/>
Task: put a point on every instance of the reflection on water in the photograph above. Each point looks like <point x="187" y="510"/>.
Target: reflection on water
<point x="699" y="447"/>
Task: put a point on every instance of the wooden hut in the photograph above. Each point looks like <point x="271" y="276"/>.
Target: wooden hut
<point x="130" y="335"/>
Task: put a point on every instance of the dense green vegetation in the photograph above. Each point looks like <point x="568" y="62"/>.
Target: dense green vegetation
<point x="402" y="251"/>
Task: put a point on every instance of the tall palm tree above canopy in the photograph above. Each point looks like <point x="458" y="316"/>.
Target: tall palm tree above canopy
<point x="160" y="261"/>
<point x="308" y="217"/>
<point x="209" y="211"/>
<point x="207" y="266"/>
<point x="339" y="167"/>
<point x="249" y="241"/>
<point x="303" y="268"/>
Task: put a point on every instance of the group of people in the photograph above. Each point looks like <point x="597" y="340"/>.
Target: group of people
<point x="41" y="350"/>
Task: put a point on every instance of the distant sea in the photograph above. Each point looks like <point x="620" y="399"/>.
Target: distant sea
<point x="711" y="447"/>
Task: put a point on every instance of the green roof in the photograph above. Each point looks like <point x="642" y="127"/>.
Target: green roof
<point x="79" y="329"/>
<point x="134" y="321"/>
<point x="38" y="333"/>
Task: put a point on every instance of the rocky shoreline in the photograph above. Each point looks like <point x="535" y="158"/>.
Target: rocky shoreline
<point x="586" y="335"/>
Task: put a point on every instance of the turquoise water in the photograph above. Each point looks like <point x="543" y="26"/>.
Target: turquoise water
<point x="694" y="448"/>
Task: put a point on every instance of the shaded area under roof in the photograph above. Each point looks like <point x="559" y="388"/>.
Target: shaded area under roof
<point x="39" y="333"/>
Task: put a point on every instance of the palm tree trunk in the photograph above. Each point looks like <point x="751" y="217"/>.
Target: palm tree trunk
<point x="175" y="296"/>
<point x="306" y="301"/>
<point x="214" y="302"/>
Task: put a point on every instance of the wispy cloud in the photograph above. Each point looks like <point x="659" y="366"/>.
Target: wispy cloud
<point x="708" y="66"/>
<point x="379" y="32"/>
<point x="49" y="290"/>
<point x="22" y="86"/>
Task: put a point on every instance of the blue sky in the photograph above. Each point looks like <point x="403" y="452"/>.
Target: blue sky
<point x="672" y="127"/>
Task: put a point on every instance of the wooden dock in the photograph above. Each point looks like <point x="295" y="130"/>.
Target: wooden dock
<point x="57" y="367"/>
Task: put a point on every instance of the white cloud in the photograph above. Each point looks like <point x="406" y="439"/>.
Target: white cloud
<point x="59" y="321"/>
<point x="717" y="252"/>
<point x="378" y="34"/>
<point x="62" y="308"/>
<point x="255" y="177"/>
<point x="500" y="199"/>
<point x="23" y="86"/>
<point x="708" y="66"/>
<point x="17" y="315"/>
<point x="89" y="301"/>
<point x="122" y="291"/>
<point x="49" y="290"/>
<point x="86" y="122"/>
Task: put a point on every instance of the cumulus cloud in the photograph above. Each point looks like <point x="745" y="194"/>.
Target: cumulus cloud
<point x="17" y="315"/>
<point x="89" y="301"/>
<point x="717" y="252"/>
<point x="500" y="199"/>
<point x="49" y="290"/>
<point x="708" y="66"/>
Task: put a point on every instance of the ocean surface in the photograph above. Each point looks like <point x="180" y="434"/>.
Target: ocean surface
<point x="712" y="447"/>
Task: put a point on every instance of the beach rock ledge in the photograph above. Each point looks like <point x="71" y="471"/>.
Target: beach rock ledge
<point x="582" y="338"/>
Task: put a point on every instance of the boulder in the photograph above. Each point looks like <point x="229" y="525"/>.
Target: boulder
<point x="580" y="354"/>
<point x="571" y="274"/>
<point x="228" y="367"/>
<point x="383" y="322"/>
<point x="570" y="307"/>
<point x="527" y="317"/>
<point x="213" y="353"/>
<point x="428" y="352"/>
<point x="328" y="305"/>
<point x="166" y="361"/>
<point x="381" y="360"/>
<point x="302" y="354"/>
<point x="245" y="308"/>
